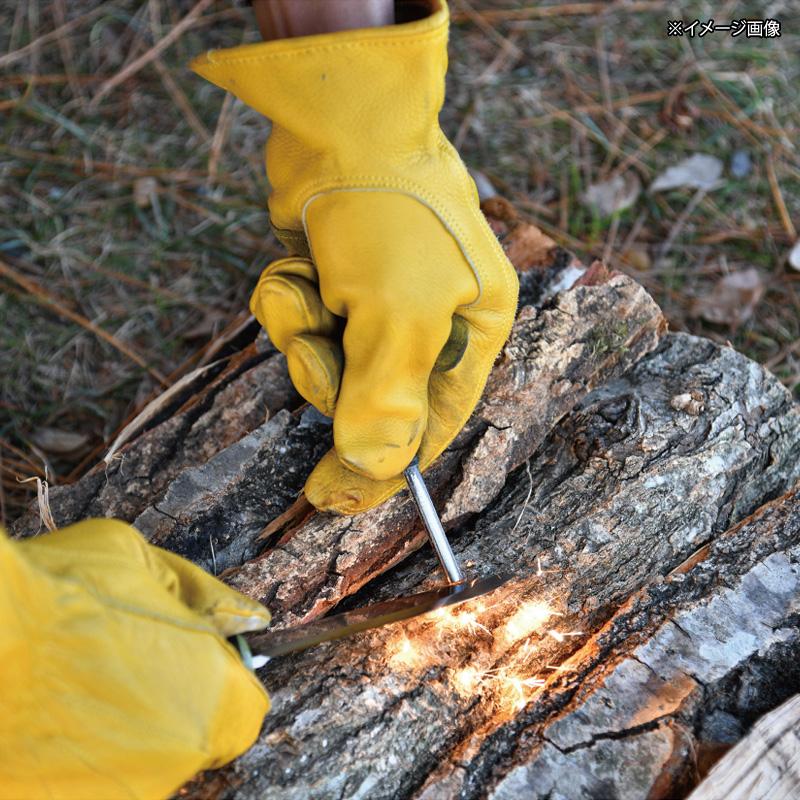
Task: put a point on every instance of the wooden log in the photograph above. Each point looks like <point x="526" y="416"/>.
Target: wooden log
<point x="765" y="765"/>
<point x="638" y="639"/>
<point x="634" y="632"/>
<point x="224" y="402"/>
<point x="555" y="355"/>
<point x="211" y="483"/>
<point x="678" y="672"/>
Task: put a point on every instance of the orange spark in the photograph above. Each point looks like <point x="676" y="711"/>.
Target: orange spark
<point x="528" y="618"/>
<point x="515" y="692"/>
<point x="469" y="621"/>
<point x="407" y="655"/>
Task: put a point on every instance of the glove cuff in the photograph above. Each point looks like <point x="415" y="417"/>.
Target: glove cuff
<point x="351" y="107"/>
<point x="278" y="78"/>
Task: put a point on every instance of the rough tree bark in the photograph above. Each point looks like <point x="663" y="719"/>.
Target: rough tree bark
<point x="641" y="498"/>
<point x="621" y="493"/>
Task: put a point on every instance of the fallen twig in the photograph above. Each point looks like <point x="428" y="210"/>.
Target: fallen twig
<point x="43" y="297"/>
<point x="780" y="203"/>
<point x="55" y="34"/>
<point x="153" y="52"/>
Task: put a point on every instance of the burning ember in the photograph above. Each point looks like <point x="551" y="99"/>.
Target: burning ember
<point x="458" y="619"/>
<point x="467" y="680"/>
<point x="515" y="692"/>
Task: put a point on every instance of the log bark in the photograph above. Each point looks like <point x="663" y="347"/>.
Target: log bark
<point x="765" y="765"/>
<point x="619" y="524"/>
<point x="226" y="401"/>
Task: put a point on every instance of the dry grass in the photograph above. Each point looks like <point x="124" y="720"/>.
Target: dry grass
<point x="586" y="97"/>
<point x="133" y="222"/>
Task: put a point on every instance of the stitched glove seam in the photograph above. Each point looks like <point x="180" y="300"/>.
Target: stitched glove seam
<point x="408" y="188"/>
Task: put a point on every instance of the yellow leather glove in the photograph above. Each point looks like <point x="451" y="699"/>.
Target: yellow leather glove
<point x="115" y="676"/>
<point x="397" y="297"/>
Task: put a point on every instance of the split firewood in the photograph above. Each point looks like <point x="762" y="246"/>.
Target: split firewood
<point x="765" y="765"/>
<point x="636" y="637"/>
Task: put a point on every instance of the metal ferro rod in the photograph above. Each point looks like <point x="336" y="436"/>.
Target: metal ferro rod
<point x="419" y="491"/>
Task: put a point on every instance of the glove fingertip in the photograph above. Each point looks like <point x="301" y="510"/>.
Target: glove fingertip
<point x="240" y="616"/>
<point x="315" y="367"/>
<point x="334" y="488"/>
<point x="240" y="715"/>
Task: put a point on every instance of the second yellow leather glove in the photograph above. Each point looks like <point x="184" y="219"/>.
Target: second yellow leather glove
<point x="116" y="680"/>
<point x="397" y="297"/>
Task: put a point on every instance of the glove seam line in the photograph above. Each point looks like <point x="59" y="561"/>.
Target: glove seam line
<point x="415" y="190"/>
<point x="409" y="189"/>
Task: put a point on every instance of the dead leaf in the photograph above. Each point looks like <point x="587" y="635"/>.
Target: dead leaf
<point x="699" y="171"/>
<point x="597" y="274"/>
<point x="528" y="248"/>
<point x="143" y="191"/>
<point x="637" y="257"/>
<point x="498" y="208"/>
<point x="615" y="194"/>
<point x="732" y="300"/>
<point x="678" y="112"/>
<point x="58" y="442"/>
<point x="794" y="256"/>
